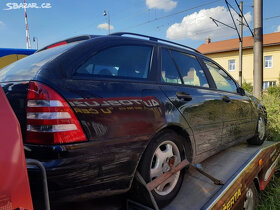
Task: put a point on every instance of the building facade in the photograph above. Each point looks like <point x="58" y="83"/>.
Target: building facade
<point x="226" y="53"/>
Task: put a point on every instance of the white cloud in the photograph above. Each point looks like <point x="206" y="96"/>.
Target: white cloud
<point x="105" y="26"/>
<point x="198" y="25"/>
<point x="278" y="29"/>
<point x="161" y="4"/>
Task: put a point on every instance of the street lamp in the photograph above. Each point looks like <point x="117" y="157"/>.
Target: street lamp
<point x="34" y="39"/>
<point x="106" y="13"/>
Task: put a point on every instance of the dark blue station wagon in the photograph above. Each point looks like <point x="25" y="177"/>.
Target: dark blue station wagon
<point x="95" y="109"/>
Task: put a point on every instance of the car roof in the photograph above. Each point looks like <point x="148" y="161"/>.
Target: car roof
<point x="128" y="36"/>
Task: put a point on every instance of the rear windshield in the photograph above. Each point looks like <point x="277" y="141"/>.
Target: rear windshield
<point x="27" y="68"/>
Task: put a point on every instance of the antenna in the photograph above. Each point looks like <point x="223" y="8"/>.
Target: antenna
<point x="28" y="42"/>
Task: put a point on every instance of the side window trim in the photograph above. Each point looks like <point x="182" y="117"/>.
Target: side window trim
<point x="177" y="67"/>
<point x="150" y="62"/>
<point x="171" y="56"/>
<point x="212" y="84"/>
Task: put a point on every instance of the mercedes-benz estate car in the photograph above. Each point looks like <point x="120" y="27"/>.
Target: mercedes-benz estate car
<point x="95" y="109"/>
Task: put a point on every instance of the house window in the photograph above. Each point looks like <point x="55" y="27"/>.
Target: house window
<point x="231" y="65"/>
<point x="267" y="84"/>
<point x="268" y="62"/>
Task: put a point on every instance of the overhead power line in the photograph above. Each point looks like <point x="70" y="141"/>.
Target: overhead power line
<point x="240" y="14"/>
<point x="170" y="15"/>
<point x="278" y="16"/>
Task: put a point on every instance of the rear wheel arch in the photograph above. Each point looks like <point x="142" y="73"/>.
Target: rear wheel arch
<point x="166" y="134"/>
<point x="189" y="153"/>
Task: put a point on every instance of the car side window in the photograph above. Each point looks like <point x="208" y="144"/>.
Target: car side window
<point x="190" y="69"/>
<point x="120" y="61"/>
<point x="169" y="72"/>
<point x="222" y="80"/>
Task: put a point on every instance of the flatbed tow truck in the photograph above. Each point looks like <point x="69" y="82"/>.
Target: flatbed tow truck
<point x="230" y="179"/>
<point x="240" y="172"/>
<point x="240" y="168"/>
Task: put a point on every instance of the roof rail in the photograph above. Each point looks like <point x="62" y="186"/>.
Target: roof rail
<point x="153" y="39"/>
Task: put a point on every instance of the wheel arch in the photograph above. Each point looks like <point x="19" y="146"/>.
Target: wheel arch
<point x="178" y="130"/>
<point x="189" y="153"/>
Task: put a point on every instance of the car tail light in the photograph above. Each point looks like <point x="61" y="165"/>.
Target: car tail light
<point x="50" y="120"/>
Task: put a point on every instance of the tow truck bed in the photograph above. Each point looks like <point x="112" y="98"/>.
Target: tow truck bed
<point x="234" y="166"/>
<point x="237" y="167"/>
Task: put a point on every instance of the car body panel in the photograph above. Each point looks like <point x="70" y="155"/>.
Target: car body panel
<point x="120" y="116"/>
<point x="237" y="114"/>
<point x="203" y="114"/>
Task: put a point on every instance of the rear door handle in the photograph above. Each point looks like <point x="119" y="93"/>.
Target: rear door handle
<point x="226" y="99"/>
<point x="183" y="95"/>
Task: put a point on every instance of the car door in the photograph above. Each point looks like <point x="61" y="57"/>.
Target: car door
<point x="112" y="85"/>
<point x="186" y="85"/>
<point x="117" y="104"/>
<point x="237" y="108"/>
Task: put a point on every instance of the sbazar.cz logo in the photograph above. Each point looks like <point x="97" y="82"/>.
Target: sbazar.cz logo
<point x="11" y="6"/>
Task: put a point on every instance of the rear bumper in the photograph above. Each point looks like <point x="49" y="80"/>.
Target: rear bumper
<point x="84" y="171"/>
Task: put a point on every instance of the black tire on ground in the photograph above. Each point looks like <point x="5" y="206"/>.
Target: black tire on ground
<point x="251" y="198"/>
<point x="258" y="139"/>
<point x="150" y="161"/>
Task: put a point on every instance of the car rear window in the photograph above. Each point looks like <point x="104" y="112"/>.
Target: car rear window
<point x="120" y="62"/>
<point x="27" y="68"/>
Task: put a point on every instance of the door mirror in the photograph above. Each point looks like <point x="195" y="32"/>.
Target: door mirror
<point x="241" y="91"/>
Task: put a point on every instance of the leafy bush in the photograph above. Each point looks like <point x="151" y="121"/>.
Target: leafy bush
<point x="275" y="90"/>
<point x="271" y="101"/>
<point x="247" y="87"/>
<point x="269" y="199"/>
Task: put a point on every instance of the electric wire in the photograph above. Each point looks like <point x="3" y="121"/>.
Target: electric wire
<point x="169" y="15"/>
<point x="278" y="16"/>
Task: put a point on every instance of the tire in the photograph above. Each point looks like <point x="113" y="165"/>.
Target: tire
<point x="251" y="198"/>
<point x="260" y="134"/>
<point x="154" y="162"/>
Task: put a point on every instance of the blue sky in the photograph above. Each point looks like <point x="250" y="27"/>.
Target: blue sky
<point x="67" y="18"/>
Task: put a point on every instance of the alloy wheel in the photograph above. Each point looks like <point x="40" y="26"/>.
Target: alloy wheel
<point x="160" y="165"/>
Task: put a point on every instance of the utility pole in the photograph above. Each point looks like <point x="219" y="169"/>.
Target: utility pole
<point x="240" y="43"/>
<point x="106" y="13"/>
<point x="258" y="48"/>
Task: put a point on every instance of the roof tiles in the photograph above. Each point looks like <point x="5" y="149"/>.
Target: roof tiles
<point x="233" y="44"/>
